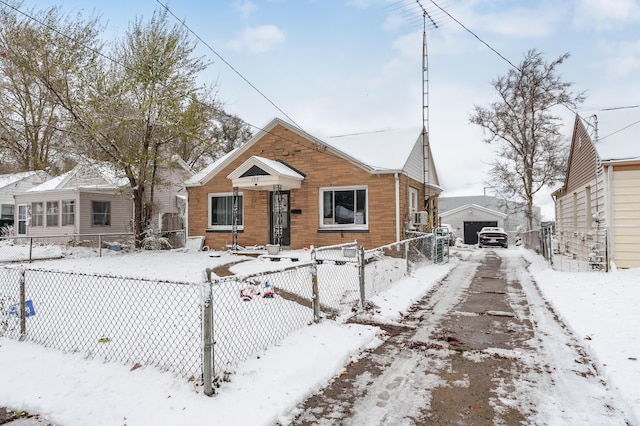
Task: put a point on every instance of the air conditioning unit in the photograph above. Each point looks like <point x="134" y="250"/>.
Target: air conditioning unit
<point x="421" y="218"/>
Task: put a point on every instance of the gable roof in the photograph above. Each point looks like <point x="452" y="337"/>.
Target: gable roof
<point x="377" y="152"/>
<point x="473" y="207"/>
<point x="259" y="173"/>
<point x="12" y="178"/>
<point x="103" y="177"/>
<point x="618" y="134"/>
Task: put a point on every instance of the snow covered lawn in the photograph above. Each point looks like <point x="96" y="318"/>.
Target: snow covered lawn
<point x="71" y="389"/>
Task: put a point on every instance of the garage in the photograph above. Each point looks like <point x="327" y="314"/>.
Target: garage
<point x="471" y="230"/>
<point x="469" y="219"/>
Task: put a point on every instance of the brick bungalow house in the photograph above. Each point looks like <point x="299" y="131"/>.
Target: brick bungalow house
<point x="598" y="207"/>
<point x="291" y="188"/>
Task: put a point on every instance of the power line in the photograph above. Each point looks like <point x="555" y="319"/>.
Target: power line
<point x="474" y="34"/>
<point x="107" y="57"/>
<point x="184" y="24"/>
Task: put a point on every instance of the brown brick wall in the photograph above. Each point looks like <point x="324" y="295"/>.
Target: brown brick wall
<point x="321" y="169"/>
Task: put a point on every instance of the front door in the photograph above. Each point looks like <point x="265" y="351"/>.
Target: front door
<point x="23" y="217"/>
<point x="279" y="221"/>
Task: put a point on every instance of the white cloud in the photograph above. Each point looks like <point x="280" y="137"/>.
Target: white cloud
<point x="605" y="14"/>
<point x="259" y="39"/>
<point x="246" y="8"/>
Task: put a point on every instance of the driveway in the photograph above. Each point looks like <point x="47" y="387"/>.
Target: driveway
<point x="482" y="348"/>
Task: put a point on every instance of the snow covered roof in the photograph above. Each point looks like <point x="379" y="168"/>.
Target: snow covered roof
<point x="473" y="207"/>
<point x="382" y="150"/>
<point x="84" y="176"/>
<point x="618" y="134"/>
<point x="9" y="179"/>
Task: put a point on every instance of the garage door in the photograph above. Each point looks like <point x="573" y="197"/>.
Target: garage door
<point x="471" y="230"/>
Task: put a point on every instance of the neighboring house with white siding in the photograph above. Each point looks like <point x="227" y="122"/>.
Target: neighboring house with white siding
<point x="15" y="183"/>
<point x="89" y="199"/>
<point x="93" y="198"/>
<point x="598" y="207"/>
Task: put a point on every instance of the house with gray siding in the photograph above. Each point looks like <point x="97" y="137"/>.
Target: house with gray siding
<point x="94" y="198"/>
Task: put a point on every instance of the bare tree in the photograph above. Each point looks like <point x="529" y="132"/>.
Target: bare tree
<point x="531" y="152"/>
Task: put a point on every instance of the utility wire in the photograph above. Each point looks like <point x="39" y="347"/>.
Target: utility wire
<point x="109" y="58"/>
<point x="184" y="24"/>
<point x="474" y="34"/>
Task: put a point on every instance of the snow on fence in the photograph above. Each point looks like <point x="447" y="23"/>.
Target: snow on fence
<point x="198" y="330"/>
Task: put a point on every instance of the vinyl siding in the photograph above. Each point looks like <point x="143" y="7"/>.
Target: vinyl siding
<point x="626" y="218"/>
<point x="121" y="213"/>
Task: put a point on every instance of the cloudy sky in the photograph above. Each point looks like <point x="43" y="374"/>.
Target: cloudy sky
<point x="347" y="66"/>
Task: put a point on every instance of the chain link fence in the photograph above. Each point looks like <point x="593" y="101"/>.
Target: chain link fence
<point x="199" y="330"/>
<point x="132" y="321"/>
<point x="17" y="249"/>
<point x="244" y="315"/>
<point x="575" y="252"/>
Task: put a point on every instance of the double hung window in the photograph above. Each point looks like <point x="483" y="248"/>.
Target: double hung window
<point x="221" y="211"/>
<point x="101" y="213"/>
<point x="68" y="213"/>
<point x="37" y="214"/>
<point x="53" y="213"/>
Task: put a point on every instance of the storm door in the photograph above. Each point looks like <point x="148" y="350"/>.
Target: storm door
<point x="279" y="218"/>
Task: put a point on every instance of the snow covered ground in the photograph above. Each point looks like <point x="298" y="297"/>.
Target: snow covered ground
<point x="70" y="389"/>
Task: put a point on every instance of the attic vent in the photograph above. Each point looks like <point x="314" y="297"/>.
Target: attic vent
<point x="254" y="171"/>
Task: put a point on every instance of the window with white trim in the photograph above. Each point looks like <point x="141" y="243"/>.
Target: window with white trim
<point x="221" y="211"/>
<point x="344" y="207"/>
<point x="7" y="212"/>
<point x="101" y="213"/>
<point x="413" y="201"/>
<point x="53" y="213"/>
<point x="37" y="214"/>
<point x="68" y="212"/>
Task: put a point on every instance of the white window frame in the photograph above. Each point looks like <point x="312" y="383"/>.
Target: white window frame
<point x="49" y="213"/>
<point x="37" y="218"/>
<point x="68" y="217"/>
<point x="229" y="226"/>
<point x="344" y="226"/>
<point x="414" y="194"/>
<point x="107" y="214"/>
<point x="11" y="207"/>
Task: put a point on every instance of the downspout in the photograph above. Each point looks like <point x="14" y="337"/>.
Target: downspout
<point x="186" y="218"/>
<point x="611" y="252"/>
<point x="397" y="207"/>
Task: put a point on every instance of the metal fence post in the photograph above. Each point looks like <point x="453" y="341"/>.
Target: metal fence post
<point x="361" y="275"/>
<point x="23" y="306"/>
<point x="315" y="298"/>
<point x="207" y="321"/>
<point x="100" y="244"/>
<point x="406" y="256"/>
<point x="30" y="249"/>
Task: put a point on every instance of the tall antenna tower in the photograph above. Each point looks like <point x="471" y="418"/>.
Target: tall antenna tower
<point x="430" y="16"/>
